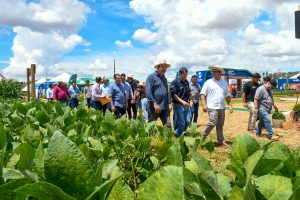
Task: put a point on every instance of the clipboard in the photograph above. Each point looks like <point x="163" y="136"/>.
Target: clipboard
<point x="104" y="100"/>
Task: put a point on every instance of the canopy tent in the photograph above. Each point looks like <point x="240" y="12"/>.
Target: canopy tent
<point x="81" y="81"/>
<point x="2" y="77"/>
<point x="295" y="76"/>
<point x="65" y="77"/>
<point x="41" y="80"/>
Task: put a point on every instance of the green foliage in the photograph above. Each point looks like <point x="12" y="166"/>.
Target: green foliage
<point x="278" y="115"/>
<point x="48" y="151"/>
<point x="296" y="107"/>
<point x="284" y="93"/>
<point x="10" y="89"/>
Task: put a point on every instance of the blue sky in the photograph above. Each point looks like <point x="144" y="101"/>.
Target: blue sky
<point x="84" y="36"/>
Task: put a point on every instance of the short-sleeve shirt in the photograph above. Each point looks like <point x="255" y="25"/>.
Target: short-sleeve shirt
<point x="181" y="88"/>
<point x="195" y="90"/>
<point x="118" y="95"/>
<point x="265" y="98"/>
<point x="49" y="93"/>
<point x="157" y="90"/>
<point x="215" y="92"/>
<point x="87" y="91"/>
<point x="249" y="90"/>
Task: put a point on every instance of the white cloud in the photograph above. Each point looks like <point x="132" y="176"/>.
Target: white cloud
<point x="145" y="35"/>
<point x="44" y="32"/>
<point x="123" y="44"/>
<point x="267" y="23"/>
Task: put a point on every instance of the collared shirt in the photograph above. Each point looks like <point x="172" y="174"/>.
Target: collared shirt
<point x="105" y="89"/>
<point x="61" y="93"/>
<point x="87" y="91"/>
<point x="265" y="98"/>
<point x="249" y="90"/>
<point x="181" y="88"/>
<point x="157" y="90"/>
<point x="128" y="90"/>
<point x="118" y="95"/>
<point x="74" y="91"/>
<point x="96" y="92"/>
<point x="215" y="92"/>
<point x="195" y="90"/>
<point x="49" y="93"/>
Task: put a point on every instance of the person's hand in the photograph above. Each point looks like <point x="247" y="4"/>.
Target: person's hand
<point x="230" y="110"/>
<point x="157" y="108"/>
<point x="132" y="101"/>
<point x="276" y="108"/>
<point x="185" y="104"/>
<point x="113" y="108"/>
<point x="204" y="108"/>
<point x="245" y="105"/>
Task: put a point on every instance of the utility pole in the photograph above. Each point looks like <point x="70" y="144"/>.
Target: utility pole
<point x="28" y="84"/>
<point x="114" y="67"/>
<point x="33" y="72"/>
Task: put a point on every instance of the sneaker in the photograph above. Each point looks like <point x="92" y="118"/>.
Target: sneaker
<point x="223" y="144"/>
<point x="273" y="137"/>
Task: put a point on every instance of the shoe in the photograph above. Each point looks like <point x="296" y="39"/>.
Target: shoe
<point x="273" y="137"/>
<point x="223" y="144"/>
<point x="248" y="129"/>
<point x="258" y="135"/>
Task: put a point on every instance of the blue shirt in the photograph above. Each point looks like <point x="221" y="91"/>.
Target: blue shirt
<point x="74" y="92"/>
<point x="117" y="93"/>
<point x="181" y="89"/>
<point x="157" y="90"/>
<point x="128" y="90"/>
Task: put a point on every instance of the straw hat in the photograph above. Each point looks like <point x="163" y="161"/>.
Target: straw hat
<point x="221" y="70"/>
<point x="129" y="75"/>
<point x="162" y="62"/>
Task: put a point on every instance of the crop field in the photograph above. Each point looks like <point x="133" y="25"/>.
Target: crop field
<point x="48" y="151"/>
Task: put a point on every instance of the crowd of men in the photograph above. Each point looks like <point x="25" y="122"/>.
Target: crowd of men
<point x="126" y="96"/>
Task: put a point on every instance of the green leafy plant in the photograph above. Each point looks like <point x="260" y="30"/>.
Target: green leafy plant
<point x="278" y="115"/>
<point x="10" y="89"/>
<point x="296" y="107"/>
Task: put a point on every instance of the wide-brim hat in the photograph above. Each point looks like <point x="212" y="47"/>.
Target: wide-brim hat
<point x="60" y="80"/>
<point x="162" y="62"/>
<point x="129" y="75"/>
<point x="221" y="70"/>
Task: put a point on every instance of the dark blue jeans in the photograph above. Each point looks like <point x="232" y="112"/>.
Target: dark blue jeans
<point x="88" y="102"/>
<point x="96" y="104"/>
<point x="194" y="112"/>
<point x="182" y="118"/>
<point x="73" y="103"/>
<point x="264" y="120"/>
<point x="164" y="116"/>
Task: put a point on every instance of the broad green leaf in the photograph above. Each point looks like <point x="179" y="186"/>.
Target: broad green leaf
<point x="224" y="185"/>
<point x="170" y="182"/>
<point x="38" y="162"/>
<point x="251" y="163"/>
<point x="250" y="191"/>
<point x="43" y="190"/>
<point x="198" y="163"/>
<point x="42" y="117"/>
<point x="103" y="189"/>
<point x="120" y="191"/>
<point x="243" y="147"/>
<point x="174" y="154"/>
<point x="3" y="141"/>
<point x="67" y="168"/>
<point x="26" y="157"/>
<point x="7" y="190"/>
<point x="209" y="184"/>
<point x="275" y="187"/>
<point x="277" y="151"/>
<point x="236" y="194"/>
<point x="161" y="149"/>
<point x="110" y="169"/>
<point x="12" y="174"/>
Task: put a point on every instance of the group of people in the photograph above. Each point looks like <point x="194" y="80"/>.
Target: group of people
<point x="126" y="96"/>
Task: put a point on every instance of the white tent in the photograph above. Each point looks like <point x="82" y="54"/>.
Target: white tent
<point x="65" y="77"/>
<point x="41" y="81"/>
<point x="295" y="76"/>
<point x="2" y="77"/>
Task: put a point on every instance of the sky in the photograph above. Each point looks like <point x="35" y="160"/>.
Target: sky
<point x="85" y="36"/>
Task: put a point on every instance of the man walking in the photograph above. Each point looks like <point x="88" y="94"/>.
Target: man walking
<point x="74" y="93"/>
<point x="49" y="93"/>
<point x="87" y="91"/>
<point x="105" y="93"/>
<point x="213" y="94"/>
<point x="195" y="98"/>
<point x="96" y="94"/>
<point x="263" y="102"/>
<point x="180" y="92"/>
<point x="61" y="93"/>
<point x="128" y="92"/>
<point x="132" y="102"/>
<point x="118" y="98"/>
<point x="158" y="95"/>
<point x="248" y="100"/>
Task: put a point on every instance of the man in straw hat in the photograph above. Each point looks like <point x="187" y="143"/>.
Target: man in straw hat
<point x="213" y="94"/>
<point x="158" y="94"/>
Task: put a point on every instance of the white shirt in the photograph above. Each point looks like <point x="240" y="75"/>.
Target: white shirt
<point x="49" y="93"/>
<point x="105" y="89"/>
<point x="215" y="92"/>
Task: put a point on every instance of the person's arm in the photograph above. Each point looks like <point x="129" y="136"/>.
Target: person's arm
<point x="256" y="99"/>
<point x="55" y="94"/>
<point x="203" y="100"/>
<point x="149" y="88"/>
<point x="244" y="99"/>
<point x="228" y="100"/>
<point x="94" y="93"/>
<point x="111" y="99"/>
<point x="274" y="105"/>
